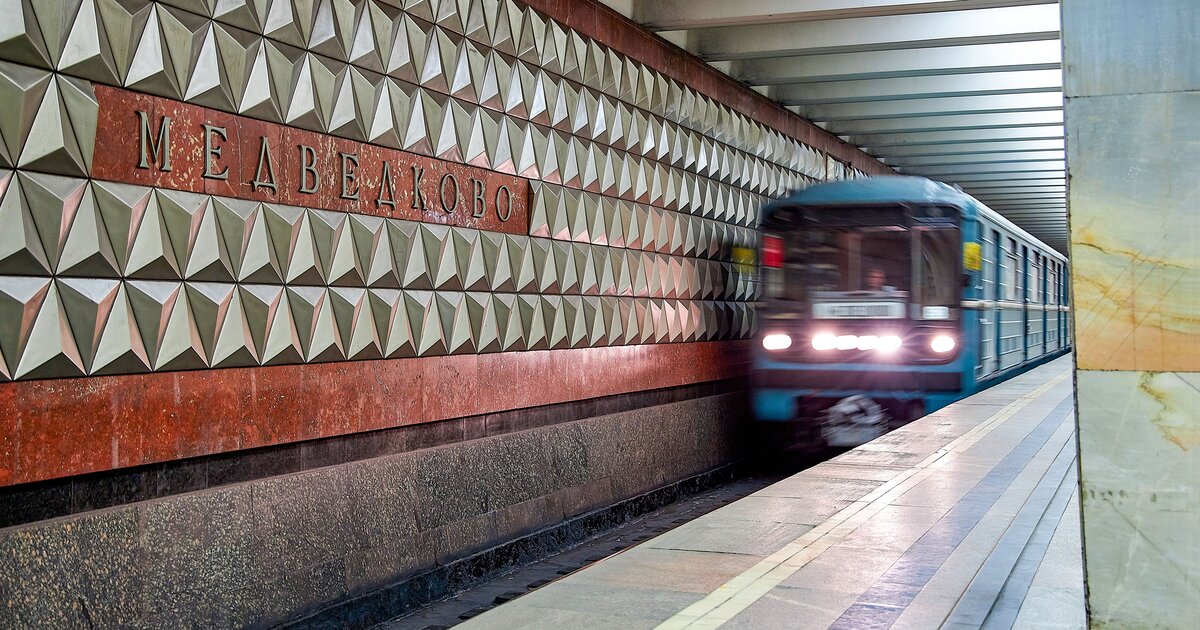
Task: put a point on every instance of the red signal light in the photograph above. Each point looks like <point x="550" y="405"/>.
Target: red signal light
<point x="772" y="251"/>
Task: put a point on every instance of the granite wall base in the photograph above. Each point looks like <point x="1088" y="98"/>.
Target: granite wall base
<point x="271" y="550"/>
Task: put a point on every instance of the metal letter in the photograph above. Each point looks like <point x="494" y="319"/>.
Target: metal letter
<point x="418" y="200"/>
<point x="504" y="216"/>
<point x="264" y="157"/>
<point x="308" y="165"/>
<point x="386" y="186"/>
<point x="348" y="175"/>
<point x="442" y="192"/>
<point x="211" y="152"/>
<point x="480" y="204"/>
<point x="160" y="152"/>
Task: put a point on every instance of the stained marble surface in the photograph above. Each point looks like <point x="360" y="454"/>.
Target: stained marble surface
<point x="1135" y="232"/>
<point x="1139" y="439"/>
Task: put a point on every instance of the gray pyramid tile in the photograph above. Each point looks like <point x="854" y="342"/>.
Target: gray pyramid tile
<point x="269" y="321"/>
<point x="390" y="313"/>
<point x="486" y="322"/>
<point x="221" y="324"/>
<point x="87" y="249"/>
<point x="512" y="312"/>
<point x="21" y="40"/>
<point x="61" y="135"/>
<point x="455" y="314"/>
<point x="337" y="255"/>
<point x="356" y="323"/>
<point x="23" y="89"/>
<point x="267" y="79"/>
<point x="293" y="243"/>
<point x="163" y="316"/>
<point x="354" y="93"/>
<point x="316" y="327"/>
<point x="21" y="249"/>
<point x="51" y="202"/>
<point x="310" y="97"/>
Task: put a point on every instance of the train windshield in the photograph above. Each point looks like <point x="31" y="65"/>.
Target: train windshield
<point x="875" y="259"/>
<point x="841" y="259"/>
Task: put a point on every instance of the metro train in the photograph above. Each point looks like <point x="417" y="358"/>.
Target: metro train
<point x="886" y="298"/>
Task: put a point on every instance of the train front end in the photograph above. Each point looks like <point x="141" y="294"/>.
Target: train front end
<point x="862" y="327"/>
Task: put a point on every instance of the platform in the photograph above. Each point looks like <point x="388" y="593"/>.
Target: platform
<point x="966" y="518"/>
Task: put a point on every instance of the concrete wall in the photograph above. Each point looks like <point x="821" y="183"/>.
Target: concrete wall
<point x="256" y="257"/>
<point x="1133" y="145"/>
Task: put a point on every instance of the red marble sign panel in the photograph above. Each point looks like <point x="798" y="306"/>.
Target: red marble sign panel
<point x="153" y="141"/>
<point x="59" y="428"/>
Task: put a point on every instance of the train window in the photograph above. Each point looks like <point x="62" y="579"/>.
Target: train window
<point x="1010" y="271"/>
<point x="1035" y="284"/>
<point x="1052" y="284"/>
<point x="937" y="278"/>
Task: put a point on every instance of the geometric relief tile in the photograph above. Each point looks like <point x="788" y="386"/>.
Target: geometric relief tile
<point x="87" y="303"/>
<point x="355" y="323"/>
<point x="316" y="327"/>
<point x="164" y="319"/>
<point x="41" y="344"/>
<point x="21" y="250"/>
<point x="51" y="201"/>
<point x="85" y="49"/>
<point x="22" y="90"/>
<point x="22" y="39"/>
<point x="270" y="324"/>
<point x="221" y="324"/>
<point x="121" y="208"/>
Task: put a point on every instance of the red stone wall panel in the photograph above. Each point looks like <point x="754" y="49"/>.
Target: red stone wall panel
<point x="58" y="428"/>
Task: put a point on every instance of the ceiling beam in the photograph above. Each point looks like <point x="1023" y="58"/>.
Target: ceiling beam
<point x="894" y="32"/>
<point x="945" y="123"/>
<point x="684" y="14"/>
<point x="976" y="158"/>
<point x="980" y="137"/>
<point x="975" y="84"/>
<point x="1014" y="146"/>
<point x="915" y="62"/>
<point x="940" y="106"/>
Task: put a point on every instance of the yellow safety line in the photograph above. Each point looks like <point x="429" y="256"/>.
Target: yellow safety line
<point x="744" y="589"/>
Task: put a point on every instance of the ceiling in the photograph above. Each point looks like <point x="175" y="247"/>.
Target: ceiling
<point x="967" y="92"/>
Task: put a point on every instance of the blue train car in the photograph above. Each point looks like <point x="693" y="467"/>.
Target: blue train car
<point x="887" y="298"/>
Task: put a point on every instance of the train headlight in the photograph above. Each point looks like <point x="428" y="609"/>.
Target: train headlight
<point x="824" y="341"/>
<point x="846" y="342"/>
<point x="942" y="344"/>
<point x="777" y="341"/>
<point x="868" y="342"/>
<point x="889" y="343"/>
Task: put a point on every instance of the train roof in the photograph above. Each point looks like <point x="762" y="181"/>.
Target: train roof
<point x="898" y="189"/>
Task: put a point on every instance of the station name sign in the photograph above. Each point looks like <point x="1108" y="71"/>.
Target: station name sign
<point x="154" y="141"/>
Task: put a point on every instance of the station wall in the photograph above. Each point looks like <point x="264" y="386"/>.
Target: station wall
<point x="255" y="251"/>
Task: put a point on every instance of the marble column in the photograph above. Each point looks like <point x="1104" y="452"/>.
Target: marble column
<point x="1132" y="71"/>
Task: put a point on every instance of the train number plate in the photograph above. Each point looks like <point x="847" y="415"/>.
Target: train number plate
<point x="858" y="310"/>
